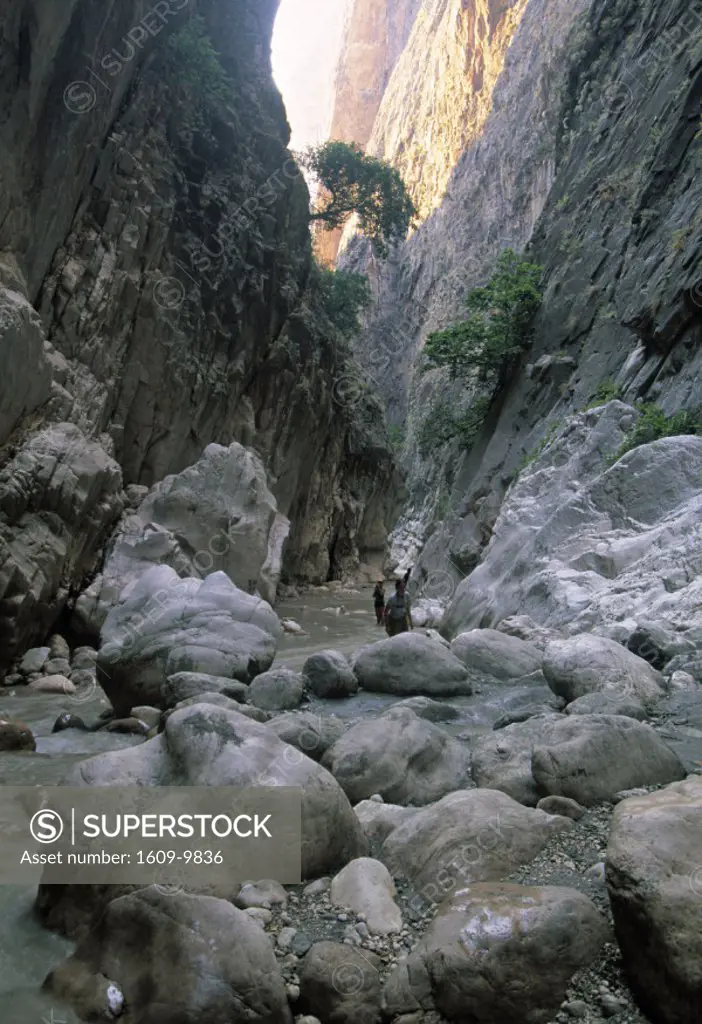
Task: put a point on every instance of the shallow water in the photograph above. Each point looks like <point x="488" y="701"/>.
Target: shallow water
<point x="27" y="951"/>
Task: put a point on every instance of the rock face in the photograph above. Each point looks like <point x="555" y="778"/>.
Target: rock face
<point x="654" y="880"/>
<point x="605" y="549"/>
<point x="498" y="952"/>
<point x="204" y="744"/>
<point x="167" y="626"/>
<point x="175" y="951"/>
<point x="164" y="244"/>
<point x="58" y="496"/>
<point x="410" y="664"/>
<point x="400" y="756"/>
<point x="217" y="515"/>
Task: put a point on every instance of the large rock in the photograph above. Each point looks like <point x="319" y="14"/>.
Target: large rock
<point x="499" y="952"/>
<point x="16" y="736"/>
<point x="176" y="958"/>
<point x="502" y="760"/>
<point x="590" y="758"/>
<point x="400" y="756"/>
<point x="607" y="703"/>
<point x="378" y="819"/>
<point x="411" y="664"/>
<point x="311" y="733"/>
<point x="278" y="689"/>
<point x="471" y="836"/>
<point x="365" y="886"/>
<point x="654" y="878"/>
<point x="59" y="496"/>
<point x="340" y="985"/>
<point x="169" y="625"/>
<point x="580" y="542"/>
<point x="207" y="745"/>
<point x="329" y="674"/>
<point x="593" y="664"/>
<point x="217" y="515"/>
<point x="496" y="654"/>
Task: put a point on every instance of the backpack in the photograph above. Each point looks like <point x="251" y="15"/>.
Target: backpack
<point x="398" y="607"/>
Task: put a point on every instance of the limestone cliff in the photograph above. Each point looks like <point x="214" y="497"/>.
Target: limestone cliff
<point x="375" y="35"/>
<point x="155" y="294"/>
<point x="587" y="158"/>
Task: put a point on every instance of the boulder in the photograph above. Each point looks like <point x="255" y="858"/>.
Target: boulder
<point x="524" y="627"/>
<point x="60" y="494"/>
<point x="405" y="759"/>
<point x="471" y="836"/>
<point x="583" y="538"/>
<point x="561" y="805"/>
<point x="218" y="515"/>
<point x="654" y="878"/>
<point x="589" y="758"/>
<point x="496" y="654"/>
<point x="15" y="736"/>
<point x="340" y="985"/>
<point x="278" y="689"/>
<point x="432" y="710"/>
<point x="53" y="684"/>
<point x="169" y="625"/>
<point x="410" y="664"/>
<point x="498" y="952"/>
<point x="502" y="759"/>
<point x="329" y="674"/>
<point x="171" y="956"/>
<point x="33" y="661"/>
<point x="658" y="644"/>
<point x="378" y="819"/>
<point x="208" y="745"/>
<point x="603" y="703"/>
<point x="311" y="733"/>
<point x="181" y="686"/>
<point x="365" y="886"/>
<point x="593" y="664"/>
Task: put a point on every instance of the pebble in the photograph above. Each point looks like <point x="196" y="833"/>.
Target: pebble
<point x="285" y="937"/>
<point x="260" y="914"/>
<point x="293" y="992"/>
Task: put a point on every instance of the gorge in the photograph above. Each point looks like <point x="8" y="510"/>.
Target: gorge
<point x="202" y="474"/>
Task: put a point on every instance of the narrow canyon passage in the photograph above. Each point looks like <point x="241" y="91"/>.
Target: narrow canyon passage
<point x="351" y="486"/>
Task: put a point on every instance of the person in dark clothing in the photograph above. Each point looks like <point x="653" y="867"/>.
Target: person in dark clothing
<point x="379" y="602"/>
<point x="407" y="576"/>
<point x="398" y="618"/>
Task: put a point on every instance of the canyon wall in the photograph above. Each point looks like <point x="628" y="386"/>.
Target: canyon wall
<point x="374" y="37"/>
<point x="157" y="294"/>
<point x="585" y="155"/>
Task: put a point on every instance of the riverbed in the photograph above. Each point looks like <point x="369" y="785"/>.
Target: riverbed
<point x="336" y="617"/>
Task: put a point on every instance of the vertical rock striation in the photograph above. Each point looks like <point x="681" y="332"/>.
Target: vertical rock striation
<point x="159" y="227"/>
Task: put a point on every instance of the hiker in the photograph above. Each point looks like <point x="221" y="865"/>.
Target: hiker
<point x="398" y="618"/>
<point x="379" y="602"/>
<point x="407" y="575"/>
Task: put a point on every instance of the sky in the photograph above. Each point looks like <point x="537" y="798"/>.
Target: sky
<point x="306" y="44"/>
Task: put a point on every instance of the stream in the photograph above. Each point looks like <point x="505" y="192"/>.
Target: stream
<point x="27" y="951"/>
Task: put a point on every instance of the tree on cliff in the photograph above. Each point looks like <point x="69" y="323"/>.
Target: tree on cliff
<point x="352" y="182"/>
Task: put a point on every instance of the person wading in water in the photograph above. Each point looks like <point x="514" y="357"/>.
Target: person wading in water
<point x="398" y="618"/>
<point x="379" y="602"/>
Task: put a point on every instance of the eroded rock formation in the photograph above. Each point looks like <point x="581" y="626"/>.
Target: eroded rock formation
<point x="160" y="229"/>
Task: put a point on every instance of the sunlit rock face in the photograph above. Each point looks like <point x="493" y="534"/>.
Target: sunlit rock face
<point x="440" y="92"/>
<point x="375" y="35"/>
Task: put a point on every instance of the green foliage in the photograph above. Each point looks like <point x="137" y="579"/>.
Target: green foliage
<point x="355" y="183"/>
<point x="498" y="327"/>
<point x="653" y="424"/>
<point x="196" y="65"/>
<point x="443" y="425"/>
<point x="606" y="391"/>
<point x="344" y="295"/>
<point x="396" y="435"/>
